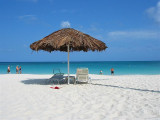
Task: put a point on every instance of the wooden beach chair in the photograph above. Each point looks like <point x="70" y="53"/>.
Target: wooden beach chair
<point x="82" y="75"/>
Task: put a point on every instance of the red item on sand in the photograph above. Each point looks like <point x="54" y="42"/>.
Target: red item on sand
<point x="55" y="87"/>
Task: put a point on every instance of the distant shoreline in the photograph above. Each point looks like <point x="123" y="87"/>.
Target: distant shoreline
<point x="89" y="74"/>
<point x="73" y="61"/>
<point x="121" y="67"/>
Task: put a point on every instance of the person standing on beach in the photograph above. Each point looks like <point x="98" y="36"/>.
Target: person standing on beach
<point x="8" y="70"/>
<point x="17" y="70"/>
<point x="112" y="71"/>
<point x="101" y="72"/>
<point x="20" y="70"/>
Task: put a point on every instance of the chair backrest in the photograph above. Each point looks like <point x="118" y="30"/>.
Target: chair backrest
<point x="58" y="76"/>
<point x="82" y="75"/>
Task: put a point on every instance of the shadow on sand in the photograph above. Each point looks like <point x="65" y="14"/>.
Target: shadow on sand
<point x="142" y="90"/>
<point x="37" y="81"/>
<point x="50" y="82"/>
<point x="44" y="82"/>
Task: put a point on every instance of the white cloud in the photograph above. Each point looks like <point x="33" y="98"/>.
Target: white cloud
<point x="134" y="34"/>
<point x="29" y="0"/>
<point x="51" y="0"/>
<point x="154" y="12"/>
<point x="65" y="24"/>
<point x="93" y="28"/>
<point x="64" y="11"/>
<point x="67" y="11"/>
<point x="28" y="18"/>
<point x="7" y="50"/>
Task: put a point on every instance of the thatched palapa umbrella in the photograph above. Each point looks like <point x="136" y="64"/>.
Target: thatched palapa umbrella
<point x="68" y="39"/>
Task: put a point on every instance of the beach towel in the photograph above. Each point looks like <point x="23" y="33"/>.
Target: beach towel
<point x="55" y="87"/>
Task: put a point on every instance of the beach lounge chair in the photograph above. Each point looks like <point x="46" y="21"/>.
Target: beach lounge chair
<point x="82" y="75"/>
<point x="58" y="77"/>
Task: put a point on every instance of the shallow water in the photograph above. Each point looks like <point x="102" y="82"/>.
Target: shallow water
<point x="120" y="67"/>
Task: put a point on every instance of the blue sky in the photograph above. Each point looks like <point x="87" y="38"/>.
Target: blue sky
<point x="130" y="28"/>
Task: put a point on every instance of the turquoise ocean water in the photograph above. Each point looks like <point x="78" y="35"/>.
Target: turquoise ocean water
<point x="120" y="67"/>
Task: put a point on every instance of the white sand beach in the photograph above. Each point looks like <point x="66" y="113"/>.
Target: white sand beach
<point x="126" y="97"/>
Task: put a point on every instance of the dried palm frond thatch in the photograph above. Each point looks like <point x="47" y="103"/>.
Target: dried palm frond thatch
<point x="59" y="40"/>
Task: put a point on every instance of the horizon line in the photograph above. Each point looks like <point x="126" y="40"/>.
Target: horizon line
<point x="90" y="61"/>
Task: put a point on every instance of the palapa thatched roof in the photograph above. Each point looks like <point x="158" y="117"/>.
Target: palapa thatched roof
<point x="77" y="40"/>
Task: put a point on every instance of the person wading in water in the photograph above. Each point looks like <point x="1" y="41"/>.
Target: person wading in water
<point x="112" y="71"/>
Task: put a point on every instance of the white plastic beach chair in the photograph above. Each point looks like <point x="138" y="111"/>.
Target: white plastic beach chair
<point x="82" y="75"/>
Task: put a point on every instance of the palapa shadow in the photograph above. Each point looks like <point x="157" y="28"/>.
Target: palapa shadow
<point x="36" y="81"/>
<point x="142" y="90"/>
<point x="43" y="82"/>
